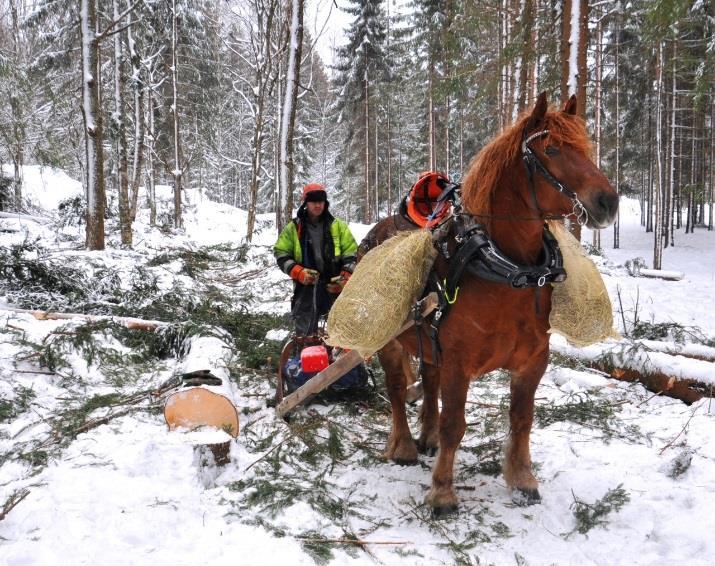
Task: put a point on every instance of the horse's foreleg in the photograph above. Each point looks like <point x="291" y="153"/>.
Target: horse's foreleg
<point x="400" y="445"/>
<point x="452" y="425"/>
<point x="429" y="436"/>
<point x="517" y="457"/>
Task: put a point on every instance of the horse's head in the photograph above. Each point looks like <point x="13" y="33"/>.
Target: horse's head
<point x="564" y="180"/>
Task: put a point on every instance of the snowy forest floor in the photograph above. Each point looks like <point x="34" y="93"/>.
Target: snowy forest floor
<point x="90" y="474"/>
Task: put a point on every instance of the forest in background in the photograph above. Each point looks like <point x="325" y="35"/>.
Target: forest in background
<point x="232" y="98"/>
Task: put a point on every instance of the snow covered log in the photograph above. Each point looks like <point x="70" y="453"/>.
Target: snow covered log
<point x="677" y="376"/>
<point x="661" y="274"/>
<point x="18" y="216"/>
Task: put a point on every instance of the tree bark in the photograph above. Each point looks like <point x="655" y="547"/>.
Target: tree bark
<point x="138" y="85"/>
<point x="658" y="194"/>
<point x="177" y="171"/>
<point x="125" y="217"/>
<point x="290" y="104"/>
<point x="94" y="156"/>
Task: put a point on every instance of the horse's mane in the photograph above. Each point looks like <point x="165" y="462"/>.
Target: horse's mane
<point x="488" y="166"/>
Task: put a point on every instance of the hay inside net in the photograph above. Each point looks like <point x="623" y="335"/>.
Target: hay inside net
<point x="580" y="306"/>
<point x="377" y="299"/>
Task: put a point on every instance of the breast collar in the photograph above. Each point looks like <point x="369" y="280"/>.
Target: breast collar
<point x="478" y="253"/>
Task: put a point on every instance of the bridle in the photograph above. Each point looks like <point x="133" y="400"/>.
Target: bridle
<point x="534" y="164"/>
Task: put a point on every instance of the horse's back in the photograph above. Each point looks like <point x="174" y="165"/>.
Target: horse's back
<point x="384" y="230"/>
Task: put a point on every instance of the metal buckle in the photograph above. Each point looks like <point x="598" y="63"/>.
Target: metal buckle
<point x="542" y="281"/>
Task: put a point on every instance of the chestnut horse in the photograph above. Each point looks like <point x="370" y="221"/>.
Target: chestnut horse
<point x="494" y="325"/>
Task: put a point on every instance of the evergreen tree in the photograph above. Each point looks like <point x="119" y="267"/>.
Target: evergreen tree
<point x="361" y="68"/>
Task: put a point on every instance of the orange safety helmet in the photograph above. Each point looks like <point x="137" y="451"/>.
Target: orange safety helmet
<point x="421" y="201"/>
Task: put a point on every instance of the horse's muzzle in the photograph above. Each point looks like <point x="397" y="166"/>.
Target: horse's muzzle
<point x="602" y="209"/>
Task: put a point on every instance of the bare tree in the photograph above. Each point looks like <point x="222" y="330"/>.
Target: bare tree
<point x="290" y="103"/>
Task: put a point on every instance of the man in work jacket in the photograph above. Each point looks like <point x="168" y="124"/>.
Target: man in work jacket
<point x="318" y="252"/>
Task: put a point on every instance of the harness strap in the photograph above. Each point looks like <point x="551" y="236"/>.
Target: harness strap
<point x="482" y="258"/>
<point x="418" y="318"/>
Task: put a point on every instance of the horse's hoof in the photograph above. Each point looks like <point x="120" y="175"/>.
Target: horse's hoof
<point x="444" y="511"/>
<point x="527" y="496"/>
<point x="426" y="449"/>
<point x="405" y="461"/>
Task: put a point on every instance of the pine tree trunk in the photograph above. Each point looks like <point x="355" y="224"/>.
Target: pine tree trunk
<point x="596" y="242"/>
<point x="527" y="54"/>
<point x="617" y="224"/>
<point x="150" y="161"/>
<point x="177" y="171"/>
<point x="94" y="158"/>
<point x="658" y="196"/>
<point x="125" y="218"/>
<point x="670" y="193"/>
<point x="17" y="114"/>
<point x="565" y="49"/>
<point x="368" y="216"/>
<point x="138" y="86"/>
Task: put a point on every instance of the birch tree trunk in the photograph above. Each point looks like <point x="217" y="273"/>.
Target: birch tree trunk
<point x="94" y="159"/>
<point x="290" y="103"/>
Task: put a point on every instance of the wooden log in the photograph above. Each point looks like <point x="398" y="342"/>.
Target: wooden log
<point x="630" y="361"/>
<point x="344" y="363"/>
<point x="19" y="216"/>
<point x="661" y="274"/>
<point x="128" y="322"/>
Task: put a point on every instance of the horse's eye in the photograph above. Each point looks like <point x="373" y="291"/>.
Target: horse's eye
<point x="551" y="150"/>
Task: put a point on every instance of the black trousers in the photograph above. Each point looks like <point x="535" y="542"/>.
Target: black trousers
<point x="309" y="304"/>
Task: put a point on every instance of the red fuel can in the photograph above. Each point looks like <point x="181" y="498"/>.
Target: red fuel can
<point x="314" y="359"/>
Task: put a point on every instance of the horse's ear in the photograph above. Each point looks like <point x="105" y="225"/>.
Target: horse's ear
<point x="571" y="105"/>
<point x="538" y="113"/>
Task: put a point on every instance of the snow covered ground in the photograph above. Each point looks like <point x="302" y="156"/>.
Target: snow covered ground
<point x="627" y="477"/>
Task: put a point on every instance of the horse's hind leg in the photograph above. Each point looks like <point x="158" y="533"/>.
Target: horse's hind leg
<point x="400" y="445"/>
<point x="429" y="436"/>
<point x="517" y="457"/>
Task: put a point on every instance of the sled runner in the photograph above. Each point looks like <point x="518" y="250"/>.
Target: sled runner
<point x="344" y="362"/>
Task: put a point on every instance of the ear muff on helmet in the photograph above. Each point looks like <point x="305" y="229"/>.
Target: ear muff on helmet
<point x="422" y="197"/>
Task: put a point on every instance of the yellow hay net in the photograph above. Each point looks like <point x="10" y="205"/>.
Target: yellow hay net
<point x="580" y="307"/>
<point x="377" y="299"/>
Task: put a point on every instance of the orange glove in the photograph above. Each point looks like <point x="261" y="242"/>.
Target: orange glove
<point x="338" y="282"/>
<point x="304" y="275"/>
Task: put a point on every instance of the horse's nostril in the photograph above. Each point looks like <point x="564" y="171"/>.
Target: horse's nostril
<point x="608" y="202"/>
